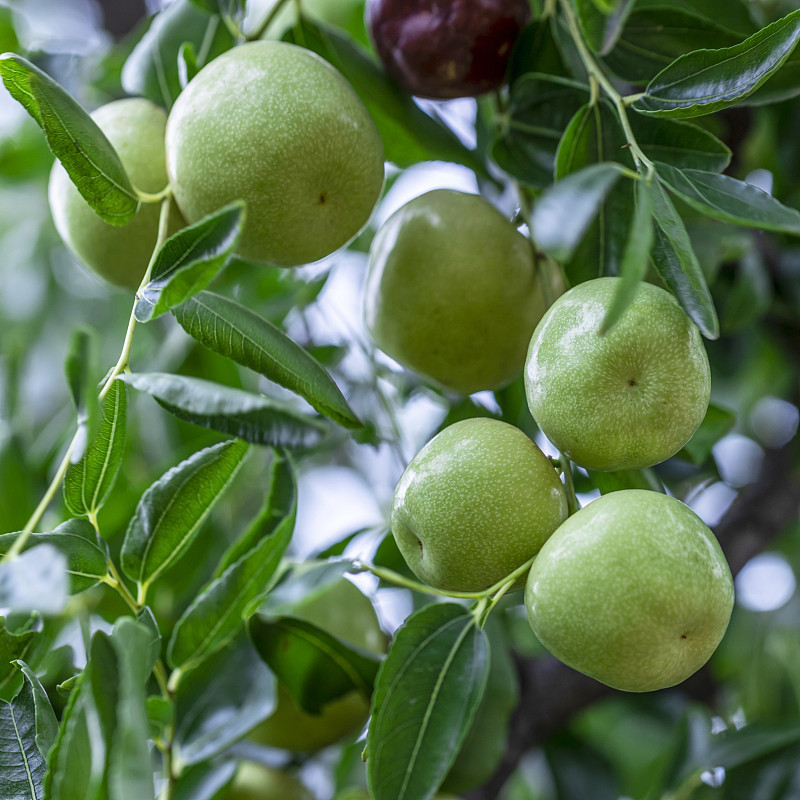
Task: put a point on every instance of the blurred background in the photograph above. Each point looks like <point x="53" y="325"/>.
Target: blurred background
<point x="740" y="476"/>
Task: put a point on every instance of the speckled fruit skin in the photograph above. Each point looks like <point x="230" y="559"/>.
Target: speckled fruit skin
<point x="449" y="49"/>
<point x="343" y="611"/>
<point x="451" y="291"/>
<point x="119" y="254"/>
<point x="474" y="504"/>
<point x="258" y="782"/>
<point x="632" y="590"/>
<point x="277" y="126"/>
<point x="630" y="398"/>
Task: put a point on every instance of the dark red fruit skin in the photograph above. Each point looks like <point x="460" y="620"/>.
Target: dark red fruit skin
<point x="446" y="48"/>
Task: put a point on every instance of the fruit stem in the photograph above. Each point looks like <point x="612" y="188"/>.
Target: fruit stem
<point x="267" y="21"/>
<point x="146" y="197"/>
<point x="125" y="355"/>
<point x="21" y="540"/>
<point x="640" y="159"/>
<point x="572" y="499"/>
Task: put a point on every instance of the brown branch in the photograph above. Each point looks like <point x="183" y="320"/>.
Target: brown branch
<point x="551" y="693"/>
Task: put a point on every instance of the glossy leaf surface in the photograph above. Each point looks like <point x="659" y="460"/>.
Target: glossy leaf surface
<point x="77" y="541"/>
<point x="677" y="265"/>
<point x="89" y="481"/>
<point x="251" y="417"/>
<point x="173" y="509"/>
<point x="230" y="329"/>
<point x="426" y="695"/>
<point x="189" y="260"/>
<point x="29" y="729"/>
<point x="709" y="80"/>
<point x="88" y="157"/>
<point x="314" y="666"/>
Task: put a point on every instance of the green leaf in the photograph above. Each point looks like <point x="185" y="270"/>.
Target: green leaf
<point x="230" y="329"/>
<point x="280" y="504"/>
<point x="705" y="81"/>
<point x="677" y="265"/>
<point x="602" y="22"/>
<point x="540" y="106"/>
<point x="680" y="144"/>
<point x="36" y="580"/>
<point x="151" y="70"/>
<point x="535" y="51"/>
<point x="252" y="417"/>
<point x="314" y="666"/>
<point x="426" y="695"/>
<point x="88" y="157"/>
<point x="77" y="368"/>
<point x="173" y="509"/>
<point x="716" y="423"/>
<point x="77" y="541"/>
<point x="564" y="212"/>
<point x="635" y="258"/>
<point x="219" y="610"/>
<point x="655" y="37"/>
<point x="14" y="646"/>
<point x="608" y="482"/>
<point x="77" y="761"/>
<point x="594" y="136"/>
<point x="29" y="729"/>
<point x="187" y="64"/>
<point x="729" y="200"/>
<point x="205" y="781"/>
<point x="118" y="674"/>
<point x="88" y="482"/>
<point x="409" y="135"/>
<point x="220" y="701"/>
<point x="189" y="260"/>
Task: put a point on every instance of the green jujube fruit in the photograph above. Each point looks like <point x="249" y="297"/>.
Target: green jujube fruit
<point x="626" y="399"/>
<point x="632" y="590"/>
<point x="452" y="291"/>
<point x="277" y="126"/>
<point x="474" y="504"/>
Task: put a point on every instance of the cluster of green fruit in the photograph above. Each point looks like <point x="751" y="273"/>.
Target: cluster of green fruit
<point x="633" y="589"/>
<point x="268" y="123"/>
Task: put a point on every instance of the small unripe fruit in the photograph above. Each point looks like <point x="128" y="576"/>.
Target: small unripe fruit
<point x="119" y="254"/>
<point x="474" y="504"/>
<point x="632" y="590"/>
<point x="278" y="127"/>
<point x="258" y="782"/>
<point x="629" y="398"/>
<point x="441" y="50"/>
<point x="343" y="611"/>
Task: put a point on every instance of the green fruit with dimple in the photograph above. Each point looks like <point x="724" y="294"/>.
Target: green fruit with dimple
<point x="629" y="398"/>
<point x="258" y="782"/>
<point x="343" y="611"/>
<point x="475" y="504"/>
<point x="451" y="291"/>
<point x="632" y="590"/>
<point x="119" y="254"/>
<point x="278" y="127"/>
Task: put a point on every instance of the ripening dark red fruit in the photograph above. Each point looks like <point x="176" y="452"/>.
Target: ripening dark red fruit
<point x="446" y="48"/>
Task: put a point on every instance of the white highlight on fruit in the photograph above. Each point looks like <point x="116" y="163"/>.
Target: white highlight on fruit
<point x="766" y="583"/>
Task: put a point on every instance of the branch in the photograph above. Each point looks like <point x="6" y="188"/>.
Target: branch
<point x="551" y="693"/>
